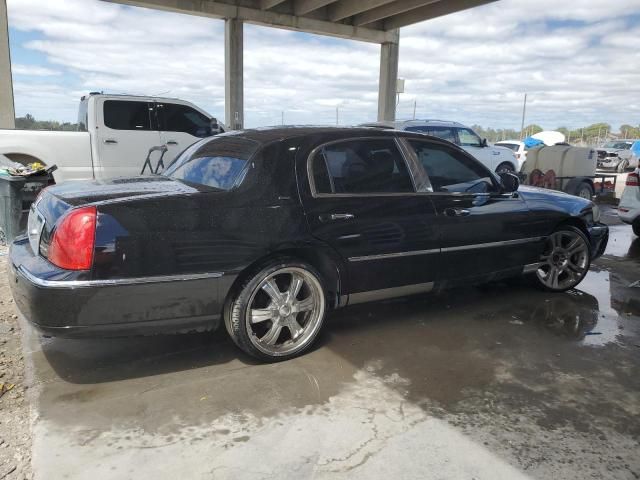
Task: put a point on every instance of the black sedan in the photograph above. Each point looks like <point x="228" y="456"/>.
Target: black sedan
<point x="269" y="229"/>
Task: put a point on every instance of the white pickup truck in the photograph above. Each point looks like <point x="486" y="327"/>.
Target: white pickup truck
<point x="115" y="133"/>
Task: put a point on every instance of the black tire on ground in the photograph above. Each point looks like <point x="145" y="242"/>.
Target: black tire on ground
<point x="622" y="166"/>
<point x="636" y="226"/>
<point x="236" y="309"/>
<point x="584" y="190"/>
<point x="571" y="233"/>
<point x="505" y="167"/>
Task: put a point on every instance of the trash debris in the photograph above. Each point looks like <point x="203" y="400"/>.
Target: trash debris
<point x="593" y="333"/>
<point x="5" y="387"/>
<point x="635" y="284"/>
<point x="516" y="322"/>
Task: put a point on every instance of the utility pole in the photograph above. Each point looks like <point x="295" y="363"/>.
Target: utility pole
<point x="524" y="111"/>
<point x="337" y="115"/>
<point x="415" y="102"/>
<point x="282" y="117"/>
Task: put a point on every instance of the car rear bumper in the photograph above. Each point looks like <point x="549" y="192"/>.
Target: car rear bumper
<point x="599" y="236"/>
<point x="75" y="307"/>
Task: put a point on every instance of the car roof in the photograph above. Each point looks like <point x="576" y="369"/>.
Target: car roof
<point x="271" y="134"/>
<point x="404" y="124"/>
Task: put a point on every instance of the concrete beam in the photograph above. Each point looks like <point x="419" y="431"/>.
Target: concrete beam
<point x="7" y="108"/>
<point x="267" y="4"/>
<point x="347" y="8"/>
<point x="385" y="11"/>
<point x="233" y="74"/>
<point x="389" y="55"/>
<point x="265" y="17"/>
<point x="428" y="12"/>
<point x="302" y="7"/>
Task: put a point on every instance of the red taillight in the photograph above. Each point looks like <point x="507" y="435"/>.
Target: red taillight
<point x="73" y="240"/>
<point x="633" y="180"/>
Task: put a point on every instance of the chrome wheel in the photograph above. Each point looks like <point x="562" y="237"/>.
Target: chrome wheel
<point x="565" y="260"/>
<point x="285" y="311"/>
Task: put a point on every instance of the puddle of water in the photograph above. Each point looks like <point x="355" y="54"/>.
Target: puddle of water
<point x="623" y="243"/>
<point x="607" y="329"/>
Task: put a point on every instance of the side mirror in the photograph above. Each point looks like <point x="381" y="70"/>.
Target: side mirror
<point x="510" y="182"/>
<point x="483" y="143"/>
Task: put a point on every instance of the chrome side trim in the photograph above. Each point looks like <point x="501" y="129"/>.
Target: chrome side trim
<point x="532" y="267"/>
<point x="385" y="293"/>
<point x="493" y="244"/>
<point x="40" y="282"/>
<point x="393" y="255"/>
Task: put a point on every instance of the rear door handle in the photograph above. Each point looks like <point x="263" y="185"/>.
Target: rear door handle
<point x="110" y="141"/>
<point x="456" y="212"/>
<point x="172" y="142"/>
<point x="332" y="217"/>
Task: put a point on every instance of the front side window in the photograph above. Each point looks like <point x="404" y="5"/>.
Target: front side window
<point x="468" y="138"/>
<point x="219" y="162"/>
<point x="181" y="118"/>
<point x="452" y="171"/>
<point x="360" y="167"/>
<point x="128" y="115"/>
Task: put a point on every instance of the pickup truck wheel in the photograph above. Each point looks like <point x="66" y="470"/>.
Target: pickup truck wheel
<point x="584" y="190"/>
<point x="565" y="260"/>
<point x="505" y="167"/>
<point x="278" y="311"/>
<point x="636" y="226"/>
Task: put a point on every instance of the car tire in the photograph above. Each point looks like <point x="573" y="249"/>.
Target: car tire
<point x="565" y="260"/>
<point x="636" y="226"/>
<point x="277" y="311"/>
<point x="584" y="190"/>
<point x="505" y="167"/>
<point x="622" y="166"/>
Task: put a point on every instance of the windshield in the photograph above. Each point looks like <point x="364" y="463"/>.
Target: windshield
<point x="618" y="145"/>
<point x="217" y="162"/>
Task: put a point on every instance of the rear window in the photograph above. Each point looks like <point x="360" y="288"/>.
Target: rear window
<point x="445" y="133"/>
<point x="219" y="162"/>
<point x="128" y="115"/>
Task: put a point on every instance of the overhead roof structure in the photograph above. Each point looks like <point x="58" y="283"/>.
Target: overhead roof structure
<point x="376" y="21"/>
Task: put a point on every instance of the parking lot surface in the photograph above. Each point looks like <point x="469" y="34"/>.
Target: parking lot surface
<point x="494" y="382"/>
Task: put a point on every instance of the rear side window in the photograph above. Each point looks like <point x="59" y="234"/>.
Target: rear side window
<point x="468" y="138"/>
<point x="181" y="118"/>
<point x="127" y="115"/>
<point x="218" y="162"/>
<point x="445" y="133"/>
<point x="360" y="167"/>
<point x="452" y="171"/>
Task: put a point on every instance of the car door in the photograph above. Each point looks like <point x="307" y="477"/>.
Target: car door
<point x="482" y="230"/>
<point x="472" y="143"/>
<point x="359" y="197"/>
<point x="126" y="132"/>
<point x="180" y="126"/>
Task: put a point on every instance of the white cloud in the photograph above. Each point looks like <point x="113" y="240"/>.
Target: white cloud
<point x="578" y="62"/>
<point x="33" y="70"/>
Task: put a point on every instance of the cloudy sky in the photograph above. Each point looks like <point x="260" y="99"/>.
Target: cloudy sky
<point x="579" y="62"/>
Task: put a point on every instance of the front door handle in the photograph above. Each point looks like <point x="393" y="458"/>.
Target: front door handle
<point x="332" y="217"/>
<point x="172" y="142"/>
<point x="110" y="141"/>
<point x="456" y="212"/>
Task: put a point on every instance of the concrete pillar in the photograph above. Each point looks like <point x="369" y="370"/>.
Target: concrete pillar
<point x="7" y="110"/>
<point x="233" y="74"/>
<point x="389" y="53"/>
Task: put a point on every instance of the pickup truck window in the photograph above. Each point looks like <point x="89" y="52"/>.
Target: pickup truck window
<point x="219" y="162"/>
<point x="181" y="118"/>
<point x="127" y="115"/>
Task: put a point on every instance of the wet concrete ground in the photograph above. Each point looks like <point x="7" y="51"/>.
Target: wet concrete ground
<point x="498" y="381"/>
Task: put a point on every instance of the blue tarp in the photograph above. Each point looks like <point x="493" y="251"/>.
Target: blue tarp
<point x="531" y="142"/>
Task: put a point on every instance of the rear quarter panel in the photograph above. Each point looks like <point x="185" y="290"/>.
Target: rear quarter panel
<point x="70" y="151"/>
